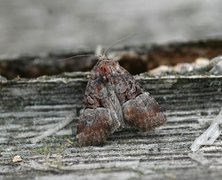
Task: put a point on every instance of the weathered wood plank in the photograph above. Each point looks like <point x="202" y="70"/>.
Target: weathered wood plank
<point x="30" y="107"/>
<point x="136" y="59"/>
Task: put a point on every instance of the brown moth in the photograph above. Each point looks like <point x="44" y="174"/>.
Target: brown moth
<point x="112" y="99"/>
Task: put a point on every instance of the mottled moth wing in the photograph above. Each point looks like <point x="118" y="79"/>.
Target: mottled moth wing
<point x="143" y="112"/>
<point x="95" y="126"/>
<point x="102" y="114"/>
<point x="140" y="110"/>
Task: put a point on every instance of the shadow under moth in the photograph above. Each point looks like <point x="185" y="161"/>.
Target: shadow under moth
<point x="113" y="99"/>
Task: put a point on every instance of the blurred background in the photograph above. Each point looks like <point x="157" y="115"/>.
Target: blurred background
<point x="35" y="26"/>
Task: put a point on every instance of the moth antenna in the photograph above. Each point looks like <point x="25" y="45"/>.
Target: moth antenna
<point x="117" y="42"/>
<point x="99" y="49"/>
<point x="80" y="55"/>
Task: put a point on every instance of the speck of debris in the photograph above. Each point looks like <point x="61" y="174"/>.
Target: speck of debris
<point x="16" y="159"/>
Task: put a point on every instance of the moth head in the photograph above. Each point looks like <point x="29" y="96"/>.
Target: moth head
<point x="106" y="68"/>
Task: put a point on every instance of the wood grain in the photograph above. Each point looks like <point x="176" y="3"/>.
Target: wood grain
<point x="29" y="107"/>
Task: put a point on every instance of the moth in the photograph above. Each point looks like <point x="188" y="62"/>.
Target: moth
<point x="113" y="99"/>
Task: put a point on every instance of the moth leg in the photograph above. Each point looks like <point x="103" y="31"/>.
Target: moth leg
<point x="143" y="112"/>
<point x="95" y="126"/>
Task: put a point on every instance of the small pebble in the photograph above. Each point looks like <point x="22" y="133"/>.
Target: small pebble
<point x="3" y="79"/>
<point x="161" y="70"/>
<point x="202" y="62"/>
<point x="16" y="159"/>
<point x="216" y="65"/>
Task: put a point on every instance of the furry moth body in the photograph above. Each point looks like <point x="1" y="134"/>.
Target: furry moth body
<point x="112" y="99"/>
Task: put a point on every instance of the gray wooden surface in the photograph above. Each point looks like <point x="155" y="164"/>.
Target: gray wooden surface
<point x="30" y="107"/>
<point x="30" y="26"/>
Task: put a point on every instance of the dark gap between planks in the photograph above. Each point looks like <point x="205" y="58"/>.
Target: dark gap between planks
<point x="143" y="58"/>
